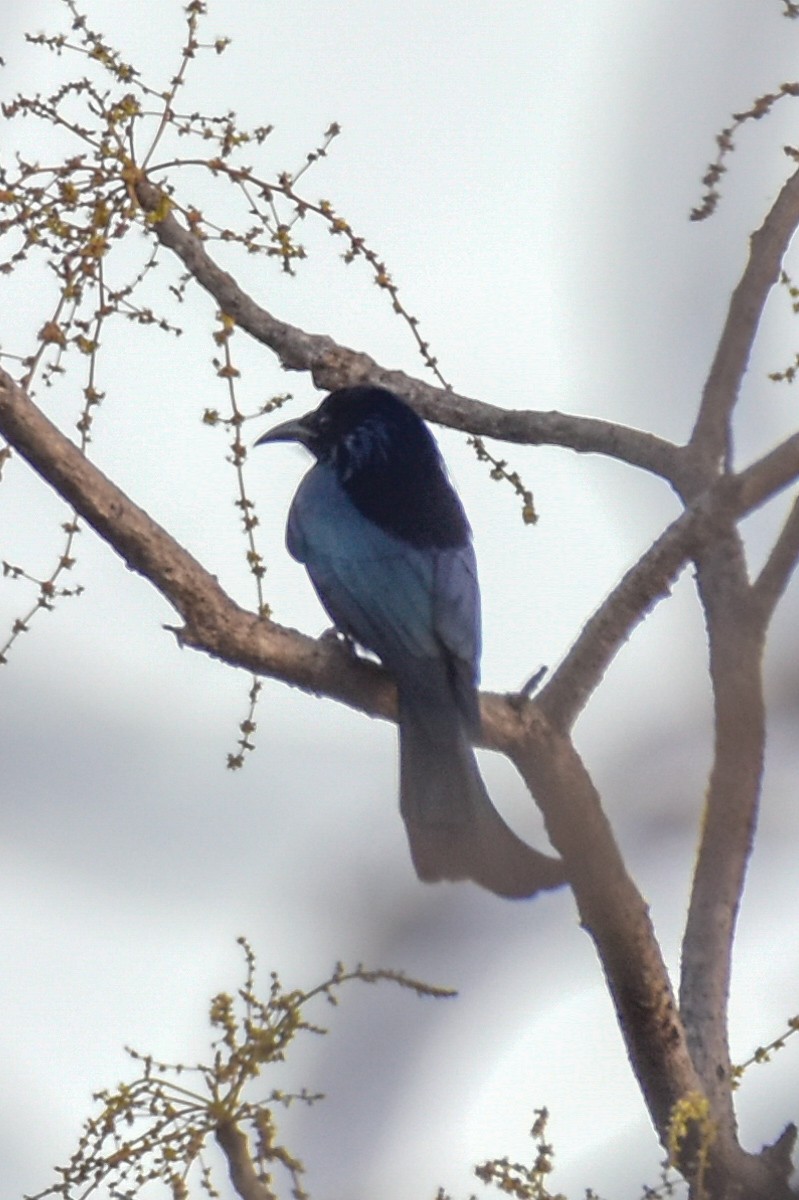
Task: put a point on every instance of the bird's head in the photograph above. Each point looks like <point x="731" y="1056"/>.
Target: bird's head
<point x="356" y="427"/>
<point x="387" y="461"/>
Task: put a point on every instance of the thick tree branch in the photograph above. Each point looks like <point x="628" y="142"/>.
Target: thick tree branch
<point x="736" y="624"/>
<point x="612" y="910"/>
<point x="243" y="1176"/>
<point x="711" y="437"/>
<point x="213" y="621"/>
<point x="735" y="637"/>
<point x="736" y="616"/>
<point x="614" y="913"/>
<point x="332" y="365"/>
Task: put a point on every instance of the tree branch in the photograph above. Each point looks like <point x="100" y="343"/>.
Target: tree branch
<point x="779" y="566"/>
<point x="711" y="436"/>
<point x="613" y="912"/>
<point x="735" y="637"/>
<point x="736" y="616"/>
<point x="214" y="623"/>
<point x="332" y="366"/>
<point x="243" y="1176"/>
<point x="570" y="687"/>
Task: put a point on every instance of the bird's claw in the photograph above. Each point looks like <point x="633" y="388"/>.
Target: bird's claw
<point x="340" y="639"/>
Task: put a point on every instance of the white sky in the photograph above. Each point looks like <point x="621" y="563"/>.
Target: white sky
<point x="526" y="169"/>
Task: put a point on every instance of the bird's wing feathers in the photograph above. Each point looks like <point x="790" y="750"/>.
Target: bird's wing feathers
<point x="393" y="598"/>
<point x="382" y="603"/>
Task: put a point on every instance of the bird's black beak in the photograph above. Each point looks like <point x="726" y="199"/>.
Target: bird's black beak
<point x="299" y="429"/>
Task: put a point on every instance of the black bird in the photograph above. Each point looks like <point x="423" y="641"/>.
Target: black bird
<point x="389" y="551"/>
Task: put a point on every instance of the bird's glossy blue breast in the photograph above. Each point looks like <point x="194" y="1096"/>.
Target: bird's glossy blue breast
<point x="323" y="521"/>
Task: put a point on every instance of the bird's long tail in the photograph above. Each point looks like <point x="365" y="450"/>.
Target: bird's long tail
<point x="454" y="830"/>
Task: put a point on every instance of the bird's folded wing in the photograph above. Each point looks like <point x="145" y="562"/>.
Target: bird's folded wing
<point x="393" y="597"/>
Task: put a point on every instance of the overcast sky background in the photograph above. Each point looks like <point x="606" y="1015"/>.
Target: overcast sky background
<point x="526" y="170"/>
